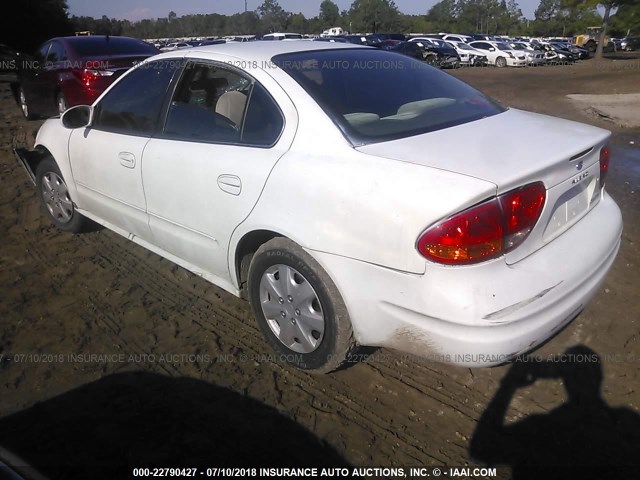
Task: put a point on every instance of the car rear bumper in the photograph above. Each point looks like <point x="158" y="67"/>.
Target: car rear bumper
<point x="485" y="314"/>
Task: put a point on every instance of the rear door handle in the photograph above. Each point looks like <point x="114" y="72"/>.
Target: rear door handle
<point x="230" y="184"/>
<point x="127" y="159"/>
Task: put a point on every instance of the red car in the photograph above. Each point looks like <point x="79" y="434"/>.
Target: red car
<point x="68" y="71"/>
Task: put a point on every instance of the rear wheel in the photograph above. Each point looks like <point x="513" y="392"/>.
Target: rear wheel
<point x="298" y="307"/>
<point x="501" y="62"/>
<point x="55" y="198"/>
<point x="431" y="60"/>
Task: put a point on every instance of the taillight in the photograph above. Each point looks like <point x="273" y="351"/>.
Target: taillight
<point x="87" y="75"/>
<point x="604" y="164"/>
<point x="485" y="231"/>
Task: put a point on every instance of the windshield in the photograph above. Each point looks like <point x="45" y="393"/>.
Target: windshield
<point x="464" y="46"/>
<point x="374" y="95"/>
<point x="440" y="43"/>
<point x="503" y="46"/>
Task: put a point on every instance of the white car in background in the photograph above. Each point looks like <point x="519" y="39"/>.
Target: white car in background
<point x="500" y="54"/>
<point x="282" y="36"/>
<point x="534" y="57"/>
<point x="175" y="46"/>
<point x="469" y="55"/>
<point x="457" y="38"/>
<point x="416" y="218"/>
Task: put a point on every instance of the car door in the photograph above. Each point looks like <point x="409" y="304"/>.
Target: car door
<point x="487" y="49"/>
<point x="55" y="65"/>
<point x="106" y="157"/>
<point x="224" y="133"/>
<point x="32" y="78"/>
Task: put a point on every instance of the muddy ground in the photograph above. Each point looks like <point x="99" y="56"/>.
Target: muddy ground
<point x="112" y="357"/>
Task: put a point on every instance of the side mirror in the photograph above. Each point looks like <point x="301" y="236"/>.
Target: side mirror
<point x="77" y="117"/>
<point x="492" y="49"/>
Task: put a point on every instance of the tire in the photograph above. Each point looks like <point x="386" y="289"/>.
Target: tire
<point x="319" y="343"/>
<point x="24" y="105"/>
<point x="501" y="62"/>
<point x="591" y="46"/>
<point x="61" y="103"/>
<point x="55" y="199"/>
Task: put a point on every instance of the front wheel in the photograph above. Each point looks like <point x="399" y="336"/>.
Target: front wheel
<point x="501" y="62"/>
<point x="24" y="105"/>
<point x="55" y="198"/>
<point x="298" y="307"/>
<point x="61" y="103"/>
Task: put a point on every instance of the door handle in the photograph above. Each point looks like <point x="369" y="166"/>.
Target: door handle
<point x="127" y="159"/>
<point x="230" y="184"/>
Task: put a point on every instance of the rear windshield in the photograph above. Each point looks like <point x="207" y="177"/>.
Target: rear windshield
<point x="375" y="95"/>
<point x="101" y="46"/>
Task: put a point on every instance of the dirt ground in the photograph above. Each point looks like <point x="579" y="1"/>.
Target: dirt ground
<point x="112" y="357"/>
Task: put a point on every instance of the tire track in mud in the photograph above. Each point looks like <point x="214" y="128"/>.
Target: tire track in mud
<point x="213" y="315"/>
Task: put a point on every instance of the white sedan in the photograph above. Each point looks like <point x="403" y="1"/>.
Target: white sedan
<point x="500" y="54"/>
<point x="346" y="210"/>
<point x="534" y="57"/>
<point x="175" y="46"/>
<point x="468" y="55"/>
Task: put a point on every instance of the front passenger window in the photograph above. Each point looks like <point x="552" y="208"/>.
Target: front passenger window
<point x="133" y="105"/>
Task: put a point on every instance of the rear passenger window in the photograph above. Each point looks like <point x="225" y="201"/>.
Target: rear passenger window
<point x="264" y="122"/>
<point x="216" y="104"/>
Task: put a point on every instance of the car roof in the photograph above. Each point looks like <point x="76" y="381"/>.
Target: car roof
<point x="92" y="38"/>
<point x="265" y="51"/>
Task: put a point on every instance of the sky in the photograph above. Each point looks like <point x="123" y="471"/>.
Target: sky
<point x="139" y="9"/>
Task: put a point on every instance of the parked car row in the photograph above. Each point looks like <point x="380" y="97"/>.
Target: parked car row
<point x="477" y="50"/>
<point x="69" y="71"/>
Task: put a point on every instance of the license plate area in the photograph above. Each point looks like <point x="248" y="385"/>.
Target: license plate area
<point x="571" y="206"/>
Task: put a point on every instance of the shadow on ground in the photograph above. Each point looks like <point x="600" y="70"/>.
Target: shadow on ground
<point x="106" y="428"/>
<point x="583" y="438"/>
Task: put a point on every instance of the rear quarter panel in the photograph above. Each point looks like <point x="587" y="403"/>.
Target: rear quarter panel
<point x="360" y="206"/>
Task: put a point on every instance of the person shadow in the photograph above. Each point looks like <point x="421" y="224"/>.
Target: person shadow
<point x="583" y="438"/>
<point x="108" y="428"/>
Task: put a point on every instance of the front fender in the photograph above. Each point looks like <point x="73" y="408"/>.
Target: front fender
<point x="54" y="137"/>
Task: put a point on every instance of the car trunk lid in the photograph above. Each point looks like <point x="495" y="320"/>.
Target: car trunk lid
<point x="513" y="149"/>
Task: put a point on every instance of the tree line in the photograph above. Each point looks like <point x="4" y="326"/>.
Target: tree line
<point x="33" y="21"/>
